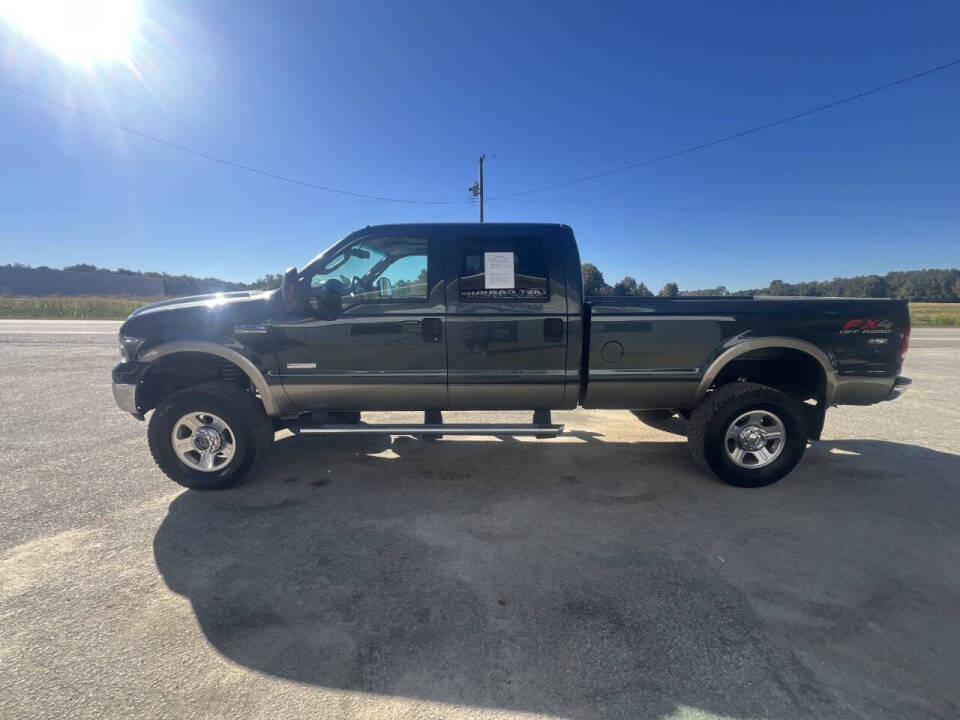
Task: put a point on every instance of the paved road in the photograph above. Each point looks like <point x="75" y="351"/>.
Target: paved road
<point x="595" y="575"/>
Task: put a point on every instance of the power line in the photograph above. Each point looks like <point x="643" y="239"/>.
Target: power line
<point x="734" y="136"/>
<point x="165" y="206"/>
<point x="387" y="156"/>
<point x="222" y="161"/>
<point x="506" y="196"/>
<point x="588" y="203"/>
<point x="758" y="211"/>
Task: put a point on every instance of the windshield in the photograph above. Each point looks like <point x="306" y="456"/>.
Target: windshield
<point x="352" y="261"/>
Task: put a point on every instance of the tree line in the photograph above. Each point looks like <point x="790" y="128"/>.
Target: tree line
<point x="174" y="285"/>
<point x="930" y="285"/>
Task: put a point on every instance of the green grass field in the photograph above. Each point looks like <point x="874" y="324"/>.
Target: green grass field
<point x="117" y="308"/>
<point x="79" y="307"/>
<point x="935" y="314"/>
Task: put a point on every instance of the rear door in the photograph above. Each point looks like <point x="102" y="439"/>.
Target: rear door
<point x="506" y="321"/>
<point x="386" y="350"/>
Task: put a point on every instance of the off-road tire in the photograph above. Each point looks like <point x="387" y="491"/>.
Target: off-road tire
<point x="706" y="432"/>
<point x="244" y="414"/>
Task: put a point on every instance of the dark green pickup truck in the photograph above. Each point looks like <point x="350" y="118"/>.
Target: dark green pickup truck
<point x="492" y="317"/>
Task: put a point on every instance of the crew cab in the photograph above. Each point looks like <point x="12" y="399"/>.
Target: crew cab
<point x="436" y="317"/>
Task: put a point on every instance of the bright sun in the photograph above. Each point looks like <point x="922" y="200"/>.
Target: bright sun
<point x="80" y="32"/>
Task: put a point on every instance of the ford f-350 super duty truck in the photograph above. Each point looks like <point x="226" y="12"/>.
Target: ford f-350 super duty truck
<point x="492" y="317"/>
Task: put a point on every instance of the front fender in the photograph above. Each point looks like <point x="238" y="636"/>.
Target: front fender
<point x="274" y="399"/>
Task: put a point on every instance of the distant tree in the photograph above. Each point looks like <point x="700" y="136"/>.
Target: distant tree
<point x="938" y="284"/>
<point x="593" y="281"/>
<point x="865" y="286"/>
<point x="810" y="288"/>
<point x="627" y="286"/>
<point x="267" y="282"/>
<point x="82" y="267"/>
<point x="778" y="287"/>
<point x="932" y="284"/>
<point x="720" y="290"/>
<point x="630" y="287"/>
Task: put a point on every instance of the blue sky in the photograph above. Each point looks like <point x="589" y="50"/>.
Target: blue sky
<point x="398" y="100"/>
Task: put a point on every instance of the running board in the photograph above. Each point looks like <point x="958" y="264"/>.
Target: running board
<point x="413" y="429"/>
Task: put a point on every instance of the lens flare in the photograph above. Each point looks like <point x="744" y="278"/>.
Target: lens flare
<point x="85" y="33"/>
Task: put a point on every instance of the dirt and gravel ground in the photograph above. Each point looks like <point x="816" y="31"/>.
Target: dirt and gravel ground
<point x="595" y="575"/>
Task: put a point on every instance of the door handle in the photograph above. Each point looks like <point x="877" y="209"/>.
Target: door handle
<point x="432" y="330"/>
<point x="553" y="330"/>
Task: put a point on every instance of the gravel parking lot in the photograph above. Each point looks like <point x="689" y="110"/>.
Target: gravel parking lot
<point x="600" y="574"/>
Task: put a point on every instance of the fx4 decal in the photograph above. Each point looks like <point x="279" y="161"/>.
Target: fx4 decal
<point x="867" y="326"/>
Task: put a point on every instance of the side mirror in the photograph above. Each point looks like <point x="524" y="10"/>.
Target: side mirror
<point x="288" y="289"/>
<point x="386" y="287"/>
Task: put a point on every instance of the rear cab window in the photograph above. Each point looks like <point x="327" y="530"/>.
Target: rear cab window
<point x="503" y="270"/>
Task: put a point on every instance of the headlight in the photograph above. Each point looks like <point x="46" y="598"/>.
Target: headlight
<point x="129" y="347"/>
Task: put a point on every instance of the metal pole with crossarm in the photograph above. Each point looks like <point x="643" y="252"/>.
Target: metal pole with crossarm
<point x="477" y="188"/>
<point x="481" y="187"/>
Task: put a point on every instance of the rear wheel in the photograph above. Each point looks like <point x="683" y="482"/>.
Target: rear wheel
<point x="210" y="436"/>
<point x="748" y="435"/>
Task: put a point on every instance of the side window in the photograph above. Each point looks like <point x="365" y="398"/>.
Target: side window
<point x="407" y="277"/>
<point x="375" y="269"/>
<point x="503" y="270"/>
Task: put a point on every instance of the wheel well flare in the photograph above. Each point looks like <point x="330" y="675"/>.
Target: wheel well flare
<point x="800" y="369"/>
<point x="173" y="368"/>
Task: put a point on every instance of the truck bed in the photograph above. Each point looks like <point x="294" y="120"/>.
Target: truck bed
<point x="656" y="352"/>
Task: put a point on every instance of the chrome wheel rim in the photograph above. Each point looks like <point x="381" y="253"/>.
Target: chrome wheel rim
<point x="755" y="439"/>
<point x="203" y="442"/>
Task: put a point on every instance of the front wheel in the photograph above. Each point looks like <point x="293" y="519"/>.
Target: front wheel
<point x="210" y="436"/>
<point x="748" y="435"/>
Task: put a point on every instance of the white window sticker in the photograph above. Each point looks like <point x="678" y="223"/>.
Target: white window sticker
<point x="498" y="271"/>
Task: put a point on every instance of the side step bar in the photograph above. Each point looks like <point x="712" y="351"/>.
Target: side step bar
<point x="431" y="429"/>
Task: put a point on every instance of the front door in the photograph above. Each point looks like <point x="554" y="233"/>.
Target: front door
<point x="507" y="322"/>
<point x="386" y="348"/>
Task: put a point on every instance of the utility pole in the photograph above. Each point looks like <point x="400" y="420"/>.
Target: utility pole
<point x="477" y="188"/>
<point x="482" y="156"/>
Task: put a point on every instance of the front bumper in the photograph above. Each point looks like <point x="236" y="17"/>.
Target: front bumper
<point x="125" y="384"/>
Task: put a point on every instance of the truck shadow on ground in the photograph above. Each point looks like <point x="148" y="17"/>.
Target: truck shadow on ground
<point x="582" y="578"/>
